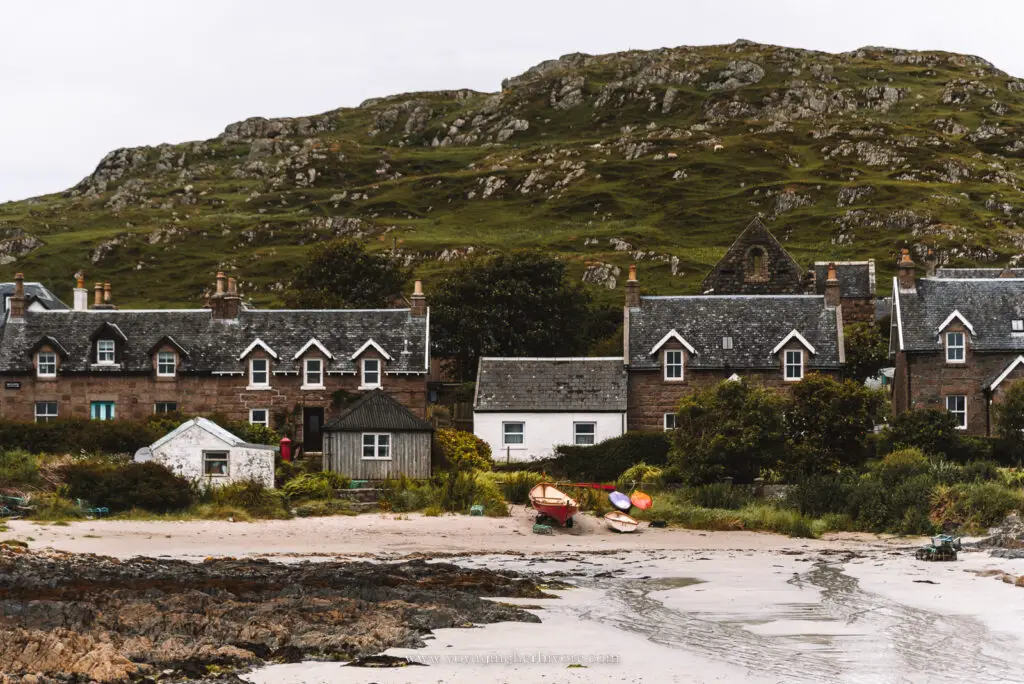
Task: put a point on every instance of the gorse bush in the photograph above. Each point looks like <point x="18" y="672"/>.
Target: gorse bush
<point x="18" y="467"/>
<point x="463" y="451"/>
<point x="121" y="487"/>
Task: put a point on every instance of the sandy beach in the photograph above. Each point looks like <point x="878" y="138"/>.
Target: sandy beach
<point x="662" y="605"/>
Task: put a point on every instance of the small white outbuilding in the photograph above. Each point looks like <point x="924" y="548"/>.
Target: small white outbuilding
<point x="199" y="449"/>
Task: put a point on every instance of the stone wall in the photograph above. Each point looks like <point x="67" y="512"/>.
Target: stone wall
<point x="857" y="309"/>
<point x="755" y="264"/>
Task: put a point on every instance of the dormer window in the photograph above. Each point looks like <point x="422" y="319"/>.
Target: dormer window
<point x="674" y="364"/>
<point x="1017" y="325"/>
<point x="259" y="373"/>
<point x="166" y="364"/>
<point x="956" y="345"/>
<point x="727" y="342"/>
<point x="46" y="364"/>
<point x="105" y="352"/>
<point x="313" y="374"/>
<point x="371" y="374"/>
<point x="794" y="366"/>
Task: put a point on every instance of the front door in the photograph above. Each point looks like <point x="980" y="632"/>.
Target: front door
<point x="312" y="422"/>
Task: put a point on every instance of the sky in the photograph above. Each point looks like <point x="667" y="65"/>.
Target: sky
<point x="78" y="79"/>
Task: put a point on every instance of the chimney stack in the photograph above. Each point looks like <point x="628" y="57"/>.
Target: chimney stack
<point x="832" y="294"/>
<point x="18" y="299"/>
<point x="905" y="272"/>
<point x="419" y="300"/>
<point x="931" y="263"/>
<point x="81" y="295"/>
<point x="102" y="297"/>
<point x="221" y="278"/>
<point x="225" y="304"/>
<point x="97" y="300"/>
<point x="632" y="289"/>
<point x="106" y="292"/>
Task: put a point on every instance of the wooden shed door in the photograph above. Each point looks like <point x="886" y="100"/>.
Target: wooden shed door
<point x="312" y="422"/>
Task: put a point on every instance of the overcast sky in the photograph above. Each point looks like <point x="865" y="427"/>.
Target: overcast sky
<point x="80" y="78"/>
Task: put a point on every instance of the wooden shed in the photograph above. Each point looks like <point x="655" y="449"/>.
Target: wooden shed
<point x="378" y="438"/>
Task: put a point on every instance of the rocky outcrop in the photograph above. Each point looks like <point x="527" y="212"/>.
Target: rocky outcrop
<point x="110" y="621"/>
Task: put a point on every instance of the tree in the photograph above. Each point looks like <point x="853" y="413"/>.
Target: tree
<point x="517" y="304"/>
<point x="730" y="430"/>
<point x="340" y="274"/>
<point x="867" y="351"/>
<point x="830" y="423"/>
<point x="931" y="430"/>
<point x="1010" y="423"/>
<point x="463" y="451"/>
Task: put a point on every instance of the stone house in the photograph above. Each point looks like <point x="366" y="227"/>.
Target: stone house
<point x="674" y="346"/>
<point x="377" y="438"/>
<point x="755" y="263"/>
<point x="957" y="342"/>
<point x="857" y="291"/>
<point x="201" y="450"/>
<point x="525" y="407"/>
<point x="37" y="297"/>
<point x="269" y="367"/>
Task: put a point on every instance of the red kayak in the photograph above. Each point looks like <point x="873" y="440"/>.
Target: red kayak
<point x="552" y="503"/>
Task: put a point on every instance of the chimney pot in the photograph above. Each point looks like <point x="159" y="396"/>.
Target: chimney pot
<point x="833" y="296"/>
<point x="97" y="299"/>
<point x="220" y="282"/>
<point x="418" y="305"/>
<point x="905" y="272"/>
<point x="106" y="292"/>
<point x="632" y="289"/>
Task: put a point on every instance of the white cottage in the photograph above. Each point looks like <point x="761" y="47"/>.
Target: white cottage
<point x="525" y="407"/>
<point x="199" y="449"/>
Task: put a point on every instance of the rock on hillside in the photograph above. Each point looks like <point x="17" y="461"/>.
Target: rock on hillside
<point x="658" y="157"/>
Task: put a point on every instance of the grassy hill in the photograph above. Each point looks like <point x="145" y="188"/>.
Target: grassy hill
<point x="656" y="157"/>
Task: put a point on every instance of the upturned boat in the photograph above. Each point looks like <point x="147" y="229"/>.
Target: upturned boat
<point x="621" y="522"/>
<point x="551" y="502"/>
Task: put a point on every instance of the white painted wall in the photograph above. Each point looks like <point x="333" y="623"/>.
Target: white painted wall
<point x="183" y="454"/>
<point x="542" y="431"/>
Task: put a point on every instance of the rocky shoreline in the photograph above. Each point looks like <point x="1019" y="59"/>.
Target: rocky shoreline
<point x="87" y="618"/>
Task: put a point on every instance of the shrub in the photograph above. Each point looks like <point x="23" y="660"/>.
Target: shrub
<point x="931" y="430"/>
<point x="463" y="451"/>
<point x="18" y="467"/>
<point x="974" y="505"/>
<point x="321" y="485"/>
<point x="516" y="486"/>
<point x="637" y="474"/>
<point x="976" y="471"/>
<point x="603" y="462"/>
<point x="1010" y="424"/>
<point x="77" y="435"/>
<point x="822" y="494"/>
<point x="252" y="496"/>
<point x="901" y="465"/>
<point x="310" y="509"/>
<point x="671" y="476"/>
<point x="121" y="487"/>
<point x="946" y="472"/>
<point x="52" y="507"/>
<point x="719" y="495"/>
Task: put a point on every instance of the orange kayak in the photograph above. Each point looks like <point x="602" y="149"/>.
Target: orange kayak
<point x="641" y="500"/>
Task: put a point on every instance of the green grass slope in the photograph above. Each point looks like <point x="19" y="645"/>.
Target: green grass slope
<point x="658" y="158"/>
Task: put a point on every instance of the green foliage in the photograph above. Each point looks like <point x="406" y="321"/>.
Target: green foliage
<point x="974" y="505"/>
<point x="519" y="304"/>
<point x="981" y="471"/>
<point x="251" y="496"/>
<point x="603" y="462"/>
<point x="730" y="430"/>
<point x="320" y="485"/>
<point x="516" y="485"/>
<point x="322" y="507"/>
<point x="931" y="430"/>
<point x="867" y="351"/>
<point x="1009" y="423"/>
<point x="718" y="495"/>
<point x="75" y="436"/>
<point x="341" y="274"/>
<point x="830" y="424"/>
<point x="453" y="492"/>
<point x="463" y="451"/>
<point x="636" y="475"/>
<point x="256" y="434"/>
<point x="121" y="487"/>
<point x="52" y="507"/>
<point x="678" y="509"/>
<point x="18" y="467"/>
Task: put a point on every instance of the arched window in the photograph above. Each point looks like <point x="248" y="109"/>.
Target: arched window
<point x="756" y="269"/>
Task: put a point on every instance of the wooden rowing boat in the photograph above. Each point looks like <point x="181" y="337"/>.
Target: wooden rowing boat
<point x="551" y="502"/>
<point x="621" y="522"/>
<point x="641" y="500"/>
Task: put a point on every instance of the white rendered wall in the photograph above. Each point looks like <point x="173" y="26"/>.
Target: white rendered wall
<point x="542" y="431"/>
<point x="184" y="456"/>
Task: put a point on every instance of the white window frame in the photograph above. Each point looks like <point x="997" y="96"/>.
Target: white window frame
<point x="252" y="374"/>
<point x="576" y="434"/>
<point x="160" y="413"/>
<point x="319" y="384"/>
<point x="216" y="453"/>
<point x="956" y="411"/>
<point x="363" y="372"/>
<point x="670" y="363"/>
<point x="102" y="351"/>
<point x="266" y="417"/>
<point x="46" y="417"/>
<point x="380" y="445"/>
<point x="505" y="433"/>
<point x="727" y="342"/>
<point x="49" y="364"/>
<point x="961" y="346"/>
<point x="666" y="419"/>
<point x="788" y="363"/>
<point x="173" y="364"/>
<point x="1017" y="325"/>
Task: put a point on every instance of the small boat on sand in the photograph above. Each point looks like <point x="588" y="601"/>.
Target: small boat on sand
<point x="641" y="500"/>
<point x="620" y="501"/>
<point x="621" y="522"/>
<point x="551" y="502"/>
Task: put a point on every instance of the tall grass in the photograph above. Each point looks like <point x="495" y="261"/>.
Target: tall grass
<point x="757" y="517"/>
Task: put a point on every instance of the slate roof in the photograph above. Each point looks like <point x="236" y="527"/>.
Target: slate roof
<point x="989" y="305"/>
<point x="34" y="292"/>
<point x="756" y="324"/>
<point x="551" y="384"/>
<point x="376" y="410"/>
<point x="229" y="438"/>
<point x="213" y="345"/>
<point x="856" y="278"/>
<point x="976" y="272"/>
